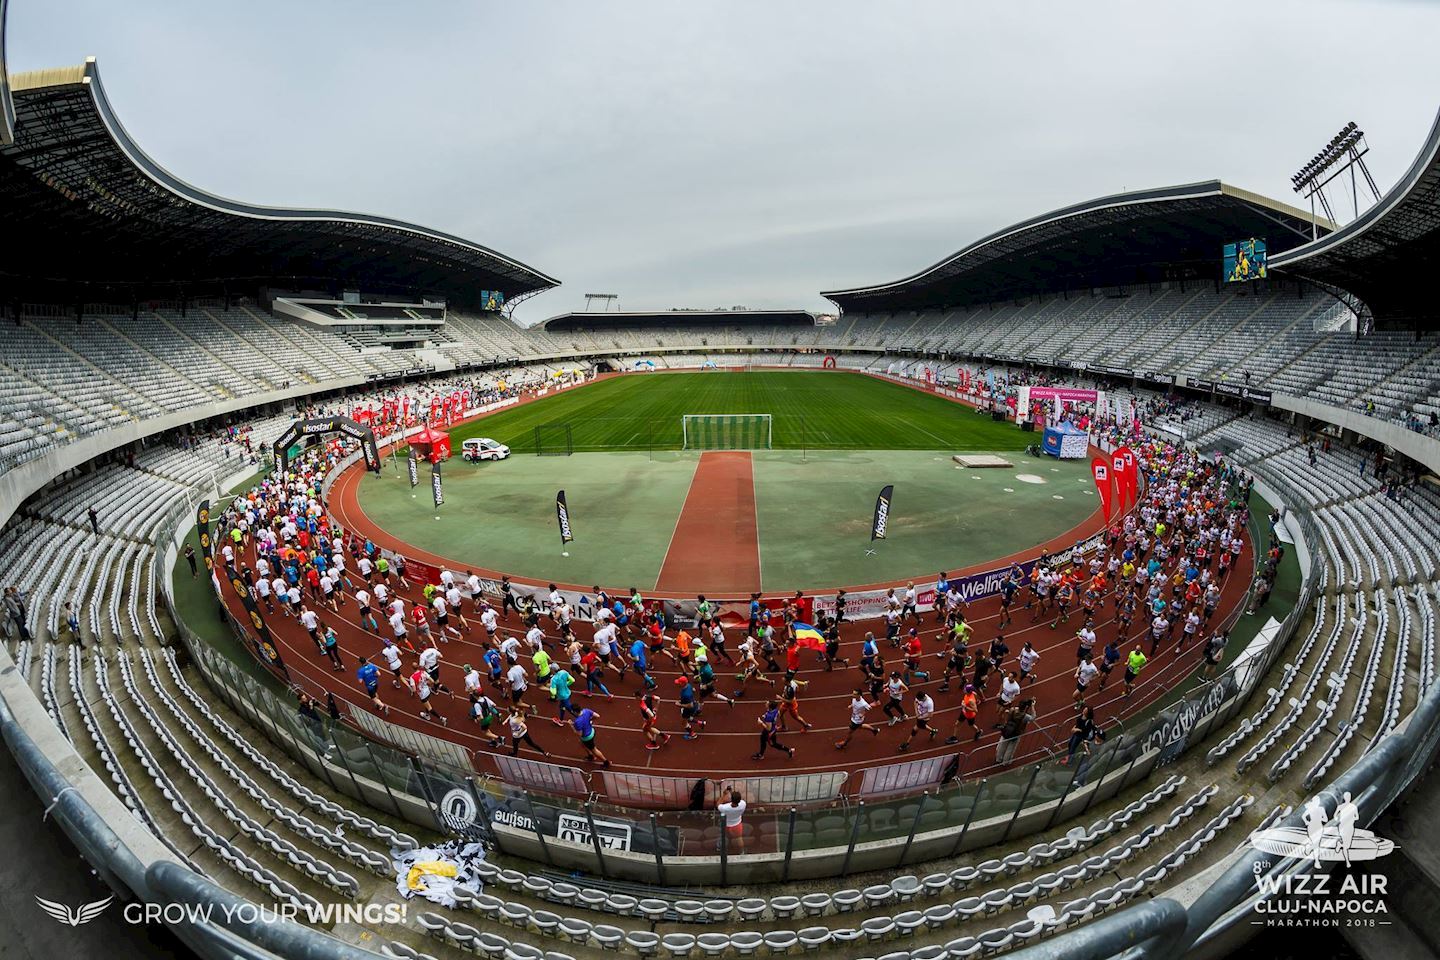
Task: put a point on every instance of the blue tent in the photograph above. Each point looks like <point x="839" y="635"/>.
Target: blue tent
<point x="1064" y="439"/>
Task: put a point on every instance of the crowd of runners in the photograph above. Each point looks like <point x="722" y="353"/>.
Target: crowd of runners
<point x="529" y="673"/>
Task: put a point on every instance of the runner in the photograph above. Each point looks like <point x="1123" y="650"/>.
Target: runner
<point x="924" y="709"/>
<point x="769" y="732"/>
<point x="1134" y="663"/>
<point x="369" y="677"/>
<point x="969" y="711"/>
<point x="650" y="720"/>
<point x="420" y="683"/>
<point x="689" y="708"/>
<point x="1084" y="673"/>
<point x="584" y="725"/>
<point x="520" y="733"/>
<point x="790" y="703"/>
<point x="859" y="706"/>
<point x="895" y="690"/>
<point x="485" y="713"/>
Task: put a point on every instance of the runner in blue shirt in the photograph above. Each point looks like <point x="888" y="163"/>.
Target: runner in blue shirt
<point x="689" y="709"/>
<point x="369" y="677"/>
<point x="769" y="724"/>
<point x="640" y="662"/>
<point x="496" y="665"/>
<point x="560" y="682"/>
<point x="584" y="724"/>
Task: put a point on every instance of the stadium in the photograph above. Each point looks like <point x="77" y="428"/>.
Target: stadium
<point x="1073" y="595"/>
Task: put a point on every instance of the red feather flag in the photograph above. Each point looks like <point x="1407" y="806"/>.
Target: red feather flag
<point x="1100" y="468"/>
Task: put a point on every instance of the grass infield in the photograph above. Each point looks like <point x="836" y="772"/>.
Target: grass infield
<point x="811" y="409"/>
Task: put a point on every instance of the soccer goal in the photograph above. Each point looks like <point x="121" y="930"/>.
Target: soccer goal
<point x="727" y="431"/>
<point x="554" y="440"/>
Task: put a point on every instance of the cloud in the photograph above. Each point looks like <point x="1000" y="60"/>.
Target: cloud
<point x="738" y="151"/>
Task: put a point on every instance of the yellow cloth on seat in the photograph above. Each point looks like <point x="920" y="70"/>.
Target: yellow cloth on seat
<point x="436" y="868"/>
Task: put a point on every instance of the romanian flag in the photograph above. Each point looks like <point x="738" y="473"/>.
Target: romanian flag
<point x="808" y="637"/>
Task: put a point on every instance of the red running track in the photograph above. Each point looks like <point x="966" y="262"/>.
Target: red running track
<point x="724" y="747"/>
<point x="716" y="543"/>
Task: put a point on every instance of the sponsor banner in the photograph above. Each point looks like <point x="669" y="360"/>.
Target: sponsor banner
<point x="574" y="828"/>
<point x="1262" y="397"/>
<point x="1203" y="385"/>
<point x="1126" y="476"/>
<point x="202" y="527"/>
<point x="1104" y="485"/>
<point x="414" y="468"/>
<point x="881" y="522"/>
<point x="1066" y="394"/>
<point x="562" y="518"/>
<point x="869" y="604"/>
<point x="260" y="639"/>
<point x="1239" y="392"/>
<point x="324" y="425"/>
<point x="437" y="489"/>
<point x="1171" y="732"/>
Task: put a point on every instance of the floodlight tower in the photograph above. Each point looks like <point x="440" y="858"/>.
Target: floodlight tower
<point x="1345" y="152"/>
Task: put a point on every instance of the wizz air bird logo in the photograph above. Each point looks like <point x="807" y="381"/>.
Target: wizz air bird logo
<point x="73" y="918"/>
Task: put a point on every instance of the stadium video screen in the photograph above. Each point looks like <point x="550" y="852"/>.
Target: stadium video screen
<point x="1244" y="261"/>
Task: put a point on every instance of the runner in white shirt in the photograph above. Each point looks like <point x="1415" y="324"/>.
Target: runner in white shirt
<point x="1029" y="656"/>
<point x="859" y="706"/>
<point x="472" y="583"/>
<point x="262" y="587"/>
<point x="490" y="620"/>
<point x="367" y="616"/>
<point x="924" y="710"/>
<point x="393" y="661"/>
<point x="397" y="625"/>
<point x="1009" y="689"/>
<point x="510" y="648"/>
<point x="536" y="638"/>
<point x="456" y="603"/>
<point x="447" y="579"/>
<point x="1084" y="673"/>
<point x="442" y="616"/>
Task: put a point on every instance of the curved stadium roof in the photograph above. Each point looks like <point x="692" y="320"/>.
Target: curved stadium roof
<point x="1386" y="257"/>
<point x="92" y="217"/>
<point x="1144" y="236"/>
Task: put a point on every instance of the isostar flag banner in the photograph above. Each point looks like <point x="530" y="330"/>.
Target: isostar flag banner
<point x="414" y="471"/>
<point x="562" y="517"/>
<point x="436" y="490"/>
<point x="1100" y="468"/>
<point x="882" y="513"/>
<point x="202" y="527"/>
<point x="1130" y="479"/>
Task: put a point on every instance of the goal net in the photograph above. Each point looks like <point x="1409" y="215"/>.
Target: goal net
<point x="730" y="431"/>
<point x="554" y="440"/>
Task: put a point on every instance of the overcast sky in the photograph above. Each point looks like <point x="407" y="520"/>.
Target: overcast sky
<point x="694" y="153"/>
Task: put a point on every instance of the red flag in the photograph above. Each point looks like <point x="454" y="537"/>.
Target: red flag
<point x="1100" y="468"/>
<point x="1127" y="479"/>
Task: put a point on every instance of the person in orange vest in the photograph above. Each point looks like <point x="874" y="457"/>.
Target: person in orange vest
<point x="969" y="711"/>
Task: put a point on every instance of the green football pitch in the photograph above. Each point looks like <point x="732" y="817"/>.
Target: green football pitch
<point x="812" y="410"/>
<point x="837" y="439"/>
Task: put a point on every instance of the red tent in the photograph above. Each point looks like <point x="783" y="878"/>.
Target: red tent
<point x="431" y="445"/>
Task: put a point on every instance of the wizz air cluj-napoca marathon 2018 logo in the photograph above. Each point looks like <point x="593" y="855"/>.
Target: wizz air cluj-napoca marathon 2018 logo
<point x="1339" y="894"/>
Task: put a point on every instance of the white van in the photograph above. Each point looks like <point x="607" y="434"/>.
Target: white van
<point x="483" y="448"/>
